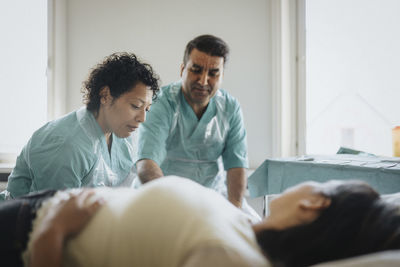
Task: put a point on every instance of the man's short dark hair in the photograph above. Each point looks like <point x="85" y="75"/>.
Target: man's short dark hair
<point x="208" y="44"/>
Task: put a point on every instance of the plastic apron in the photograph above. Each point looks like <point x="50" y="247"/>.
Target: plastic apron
<point x="197" y="154"/>
<point x="121" y="155"/>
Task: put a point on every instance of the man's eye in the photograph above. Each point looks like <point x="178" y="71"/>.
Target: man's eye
<point x="195" y="70"/>
<point x="213" y="73"/>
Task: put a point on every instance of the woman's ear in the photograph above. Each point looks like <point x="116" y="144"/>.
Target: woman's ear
<point x="315" y="202"/>
<point x="105" y="96"/>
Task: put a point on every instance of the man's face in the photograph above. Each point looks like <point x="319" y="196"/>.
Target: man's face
<point x="201" y="77"/>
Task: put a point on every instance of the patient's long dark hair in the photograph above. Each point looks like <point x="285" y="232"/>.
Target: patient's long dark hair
<point x="357" y="222"/>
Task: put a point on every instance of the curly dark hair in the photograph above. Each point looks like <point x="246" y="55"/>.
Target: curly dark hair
<point x="208" y="44"/>
<point x="357" y="222"/>
<point x="120" y="72"/>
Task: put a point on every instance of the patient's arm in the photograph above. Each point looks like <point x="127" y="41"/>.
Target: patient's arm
<point x="148" y="170"/>
<point x="236" y="178"/>
<point x="65" y="220"/>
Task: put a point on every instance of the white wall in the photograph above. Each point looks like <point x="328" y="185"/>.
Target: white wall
<point x="157" y="31"/>
<point x="353" y="72"/>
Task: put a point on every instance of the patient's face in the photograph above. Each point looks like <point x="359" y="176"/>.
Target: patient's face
<point x="124" y="114"/>
<point x="300" y="204"/>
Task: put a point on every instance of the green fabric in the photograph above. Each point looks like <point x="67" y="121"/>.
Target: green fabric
<point x="71" y="152"/>
<point x="346" y="150"/>
<point x="276" y="175"/>
<point x="182" y="145"/>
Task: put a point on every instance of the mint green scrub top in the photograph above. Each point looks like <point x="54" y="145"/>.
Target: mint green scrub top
<point x="185" y="146"/>
<point x="71" y="152"/>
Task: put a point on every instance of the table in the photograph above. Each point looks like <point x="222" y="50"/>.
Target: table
<point x="276" y="175"/>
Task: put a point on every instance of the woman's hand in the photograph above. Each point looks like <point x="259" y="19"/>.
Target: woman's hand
<point x="66" y="219"/>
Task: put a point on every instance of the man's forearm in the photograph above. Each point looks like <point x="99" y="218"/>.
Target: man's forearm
<point x="237" y="181"/>
<point x="148" y="170"/>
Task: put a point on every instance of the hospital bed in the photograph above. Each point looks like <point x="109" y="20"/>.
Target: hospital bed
<point x="382" y="173"/>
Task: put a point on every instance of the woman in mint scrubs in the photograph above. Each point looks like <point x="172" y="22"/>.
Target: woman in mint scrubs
<point x="91" y="146"/>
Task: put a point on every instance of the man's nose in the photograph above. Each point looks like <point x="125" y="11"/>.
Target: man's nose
<point x="203" y="78"/>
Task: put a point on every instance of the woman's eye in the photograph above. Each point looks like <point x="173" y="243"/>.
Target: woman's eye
<point x="135" y="107"/>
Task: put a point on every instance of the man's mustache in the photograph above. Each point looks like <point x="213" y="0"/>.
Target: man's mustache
<point x="200" y="87"/>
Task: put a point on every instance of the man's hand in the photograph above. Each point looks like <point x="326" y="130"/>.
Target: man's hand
<point x="148" y="170"/>
<point x="237" y="182"/>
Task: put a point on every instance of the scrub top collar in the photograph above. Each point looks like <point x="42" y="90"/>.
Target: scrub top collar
<point x="208" y="113"/>
<point x="92" y="128"/>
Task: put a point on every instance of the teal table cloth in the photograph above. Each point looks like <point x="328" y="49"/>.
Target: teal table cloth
<point x="276" y="175"/>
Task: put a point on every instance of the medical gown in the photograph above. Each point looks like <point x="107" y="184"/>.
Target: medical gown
<point x="71" y="152"/>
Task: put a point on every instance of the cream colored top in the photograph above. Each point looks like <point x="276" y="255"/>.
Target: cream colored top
<point x="171" y="221"/>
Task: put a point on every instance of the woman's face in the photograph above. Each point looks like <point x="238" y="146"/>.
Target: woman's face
<point x="124" y="114"/>
<point x="300" y="204"/>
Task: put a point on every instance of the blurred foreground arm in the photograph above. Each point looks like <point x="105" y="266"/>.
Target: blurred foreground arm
<point x="236" y="178"/>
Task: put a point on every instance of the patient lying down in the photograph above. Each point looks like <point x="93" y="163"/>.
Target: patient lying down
<point x="176" y="222"/>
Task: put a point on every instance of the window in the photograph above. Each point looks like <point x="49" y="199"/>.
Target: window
<point x="23" y="48"/>
<point x="352" y="75"/>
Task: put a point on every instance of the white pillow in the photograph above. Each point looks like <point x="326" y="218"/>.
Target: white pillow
<point x="392" y="198"/>
<point x="380" y="259"/>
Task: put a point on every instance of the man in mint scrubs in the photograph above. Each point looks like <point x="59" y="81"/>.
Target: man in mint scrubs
<point x="195" y="129"/>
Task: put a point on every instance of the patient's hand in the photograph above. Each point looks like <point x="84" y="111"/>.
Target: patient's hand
<point x="72" y="215"/>
<point x="66" y="219"/>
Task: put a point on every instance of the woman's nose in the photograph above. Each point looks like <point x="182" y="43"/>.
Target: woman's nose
<point x="141" y="116"/>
